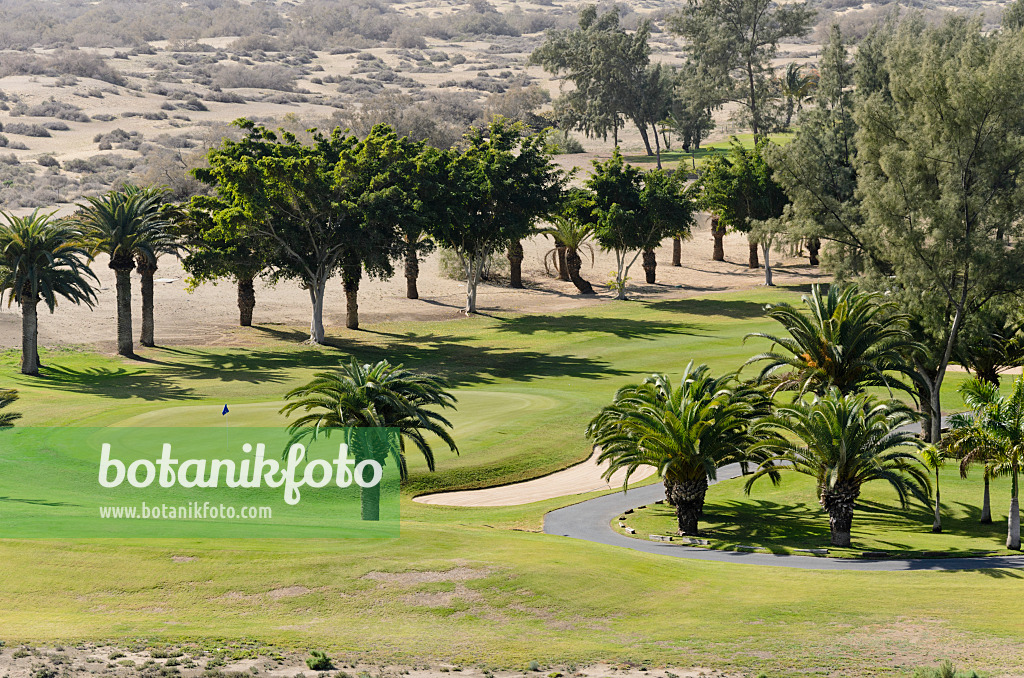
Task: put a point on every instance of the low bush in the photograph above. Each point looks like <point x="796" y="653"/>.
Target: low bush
<point x="319" y="661"/>
<point x="26" y="129"/>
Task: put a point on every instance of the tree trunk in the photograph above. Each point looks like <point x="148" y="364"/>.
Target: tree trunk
<point x="246" y="301"/>
<point x="351" y="285"/>
<point x="29" y="337"/>
<point x="925" y="407"/>
<point x="677" y="251"/>
<point x="515" y="264"/>
<point x="123" y="285"/>
<point x="647" y="141"/>
<point x="1013" y="519"/>
<point x="986" y="503"/>
<point x="316" y="324"/>
<point x="752" y="259"/>
<point x="813" y="247"/>
<point x="937" y="523"/>
<point x="146" y="336"/>
<point x="650" y="265"/>
<point x="688" y="499"/>
<point x="573" y="264"/>
<point x="563" y="269"/>
<point x="412" y="270"/>
<point x="657" y="145"/>
<point x="719" y="234"/>
<point x="838" y="503"/>
<point x="369" y="502"/>
<point x="767" y="266"/>
<point x="473" y="264"/>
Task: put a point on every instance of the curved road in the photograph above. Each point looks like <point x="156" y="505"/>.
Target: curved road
<point x="591" y="521"/>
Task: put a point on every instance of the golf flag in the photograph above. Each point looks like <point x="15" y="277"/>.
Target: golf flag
<point x="225" y="410"/>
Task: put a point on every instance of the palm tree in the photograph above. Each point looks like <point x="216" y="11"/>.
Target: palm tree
<point x="159" y="242"/>
<point x="7" y="398"/>
<point x="41" y="260"/>
<point x="570" y="236"/>
<point x="971" y="447"/>
<point x="796" y="86"/>
<point x="842" y="441"/>
<point x="934" y="457"/>
<point x="122" y="224"/>
<point x="687" y="433"/>
<point x="849" y="340"/>
<point x="996" y="433"/>
<point x="375" y="396"/>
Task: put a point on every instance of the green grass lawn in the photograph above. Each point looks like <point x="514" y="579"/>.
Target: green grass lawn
<point x="788" y="517"/>
<point x="682" y="160"/>
<point x="527" y="386"/>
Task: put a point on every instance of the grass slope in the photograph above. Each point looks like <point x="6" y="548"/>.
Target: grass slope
<point x="527" y="386"/>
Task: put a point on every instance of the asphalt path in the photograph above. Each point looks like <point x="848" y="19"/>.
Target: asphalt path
<point x="591" y="521"/>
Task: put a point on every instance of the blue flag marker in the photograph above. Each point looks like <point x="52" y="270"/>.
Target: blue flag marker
<point x="225" y="410"/>
<point x="224" y="414"/>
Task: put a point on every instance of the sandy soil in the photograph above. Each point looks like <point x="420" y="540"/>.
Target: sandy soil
<point x="209" y="315"/>
<point x="585" y="477"/>
<point x="190" y="662"/>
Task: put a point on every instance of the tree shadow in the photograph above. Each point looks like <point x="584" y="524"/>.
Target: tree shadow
<point x="36" y="502"/>
<point x="623" y="328"/>
<point x="762" y="522"/>
<point x="729" y="308"/>
<point x="117" y="383"/>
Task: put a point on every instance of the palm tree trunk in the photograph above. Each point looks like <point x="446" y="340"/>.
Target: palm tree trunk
<point x="838" y="502"/>
<point x="719" y="234"/>
<point x="937" y="523"/>
<point x="573" y="264"/>
<point x="123" y="284"/>
<point x="29" y="337"/>
<point x="677" y="251"/>
<point x="515" y="264"/>
<point x="1013" y="519"/>
<point x="986" y="504"/>
<point x="563" y="268"/>
<point x="246" y="301"/>
<point x="650" y="265"/>
<point x="752" y="261"/>
<point x="146" y="336"/>
<point x="369" y="502"/>
<point x="688" y="499"/>
<point x="412" y="269"/>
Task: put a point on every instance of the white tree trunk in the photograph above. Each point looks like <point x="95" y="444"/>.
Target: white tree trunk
<point x="766" y="249"/>
<point x="316" y="324"/>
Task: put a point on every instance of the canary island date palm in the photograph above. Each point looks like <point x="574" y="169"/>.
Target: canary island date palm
<point x="995" y="433"/>
<point x="379" y="396"/>
<point x="123" y="224"/>
<point x="846" y="339"/>
<point x="842" y="441"/>
<point x="41" y="260"/>
<point x="7" y="398"/>
<point x="687" y="433"/>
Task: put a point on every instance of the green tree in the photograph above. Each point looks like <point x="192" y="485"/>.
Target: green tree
<point x="846" y="340"/>
<point x="842" y="441"/>
<point x="495" y="191"/>
<point x="741" y="190"/>
<point x="686" y="432"/>
<point x="994" y="435"/>
<point x="125" y="225"/>
<point x="698" y="93"/>
<point x="611" y="74"/>
<point x="670" y="205"/>
<point x="219" y="245"/>
<point x="992" y="341"/>
<point x="738" y="39"/>
<point x="938" y="173"/>
<point x="378" y="396"/>
<point x="7" y="398"/>
<point x="41" y="260"/>
<point x="621" y="221"/>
